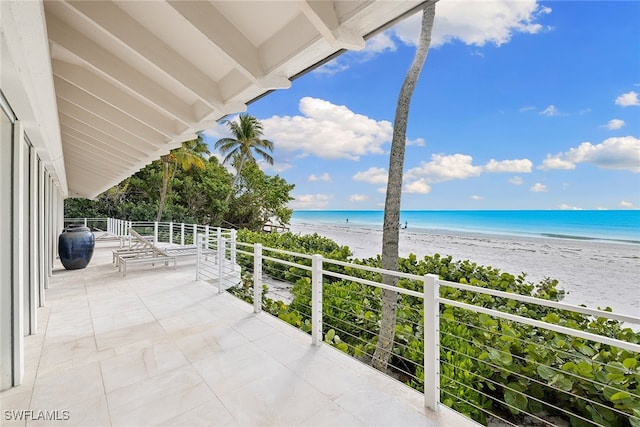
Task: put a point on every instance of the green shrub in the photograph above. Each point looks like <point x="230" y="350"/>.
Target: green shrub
<point x="487" y="364"/>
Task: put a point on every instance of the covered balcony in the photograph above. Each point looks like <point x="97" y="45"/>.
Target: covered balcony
<point x="157" y="347"/>
<point x="93" y="91"/>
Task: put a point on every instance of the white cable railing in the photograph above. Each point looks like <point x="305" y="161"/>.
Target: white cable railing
<point x="495" y="356"/>
<point x="92" y="223"/>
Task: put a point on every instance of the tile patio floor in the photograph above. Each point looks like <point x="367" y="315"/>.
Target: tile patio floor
<point x="158" y="348"/>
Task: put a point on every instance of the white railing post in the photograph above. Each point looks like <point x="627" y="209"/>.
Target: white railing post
<point x="221" y="245"/>
<point x="155" y="233"/>
<point x="182" y="233"/>
<point x="195" y="233"/>
<point x="199" y="254"/>
<point x="171" y="233"/>
<point x="233" y="248"/>
<point x="207" y="234"/>
<point x="85" y="221"/>
<point x="431" y="342"/>
<point x="316" y="299"/>
<point x="257" y="278"/>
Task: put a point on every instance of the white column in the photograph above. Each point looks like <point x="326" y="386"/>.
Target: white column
<point x="233" y="248"/>
<point x="155" y="233"/>
<point x="47" y="227"/>
<point x="18" y="254"/>
<point x="42" y="230"/>
<point x="431" y="342"/>
<point x="257" y="278"/>
<point x="171" y="233"/>
<point x="199" y="243"/>
<point x="34" y="285"/>
<point x="6" y="249"/>
<point x="316" y="299"/>
<point x="221" y="245"/>
<point x="50" y="226"/>
<point x="182" y="233"/>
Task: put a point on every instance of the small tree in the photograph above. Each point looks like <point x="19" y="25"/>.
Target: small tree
<point x="248" y="140"/>
<point x="188" y="156"/>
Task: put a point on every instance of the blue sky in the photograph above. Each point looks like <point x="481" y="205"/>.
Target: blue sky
<point x="520" y="105"/>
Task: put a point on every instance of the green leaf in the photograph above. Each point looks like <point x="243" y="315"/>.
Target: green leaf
<point x="342" y="347"/>
<point x="517" y="400"/>
<point x="562" y="382"/>
<point x="630" y="363"/>
<point x="620" y="395"/>
<point x="330" y="334"/>
<point x="545" y="372"/>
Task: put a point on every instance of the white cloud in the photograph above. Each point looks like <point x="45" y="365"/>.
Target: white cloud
<point x="516" y="166"/>
<point x="550" y="111"/>
<point x="516" y="180"/>
<point x="334" y="66"/>
<point x="626" y="205"/>
<point x="556" y="162"/>
<point x="324" y="177"/>
<point x="621" y="153"/>
<point x="219" y="131"/>
<point x="538" y="188"/>
<point x="444" y="168"/>
<point x="460" y="166"/>
<point x="373" y="175"/>
<point x="310" y="201"/>
<point x="528" y="108"/>
<point x="358" y="197"/>
<point x="380" y="43"/>
<point x="628" y="99"/>
<point x="476" y="23"/>
<point x="565" y="207"/>
<point x="614" y="124"/>
<point x="419" y="187"/>
<point x="328" y="131"/>
<point x="417" y="142"/>
<point x="476" y="197"/>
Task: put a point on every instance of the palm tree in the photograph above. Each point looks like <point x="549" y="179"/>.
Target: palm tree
<point x="390" y="232"/>
<point x="191" y="154"/>
<point x="248" y="135"/>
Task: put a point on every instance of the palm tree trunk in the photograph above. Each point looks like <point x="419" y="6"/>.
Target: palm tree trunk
<point x="390" y="232"/>
<point x="163" y="190"/>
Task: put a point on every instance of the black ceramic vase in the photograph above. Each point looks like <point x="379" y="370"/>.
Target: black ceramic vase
<point x="75" y="247"/>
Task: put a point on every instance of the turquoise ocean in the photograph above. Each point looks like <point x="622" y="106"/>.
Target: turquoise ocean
<point x="621" y="226"/>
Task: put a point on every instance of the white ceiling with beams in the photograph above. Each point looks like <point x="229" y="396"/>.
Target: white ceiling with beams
<point x="134" y="79"/>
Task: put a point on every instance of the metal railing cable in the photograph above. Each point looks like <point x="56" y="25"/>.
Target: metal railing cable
<point x="532" y="371"/>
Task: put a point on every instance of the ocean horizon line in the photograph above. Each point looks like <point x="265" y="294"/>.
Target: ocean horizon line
<point x="619" y="226"/>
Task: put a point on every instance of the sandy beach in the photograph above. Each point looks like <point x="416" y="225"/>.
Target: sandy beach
<point x="594" y="273"/>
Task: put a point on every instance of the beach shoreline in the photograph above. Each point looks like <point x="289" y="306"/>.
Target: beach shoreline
<point x="592" y="272"/>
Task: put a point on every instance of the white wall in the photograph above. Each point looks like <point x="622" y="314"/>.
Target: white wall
<point x="32" y="179"/>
